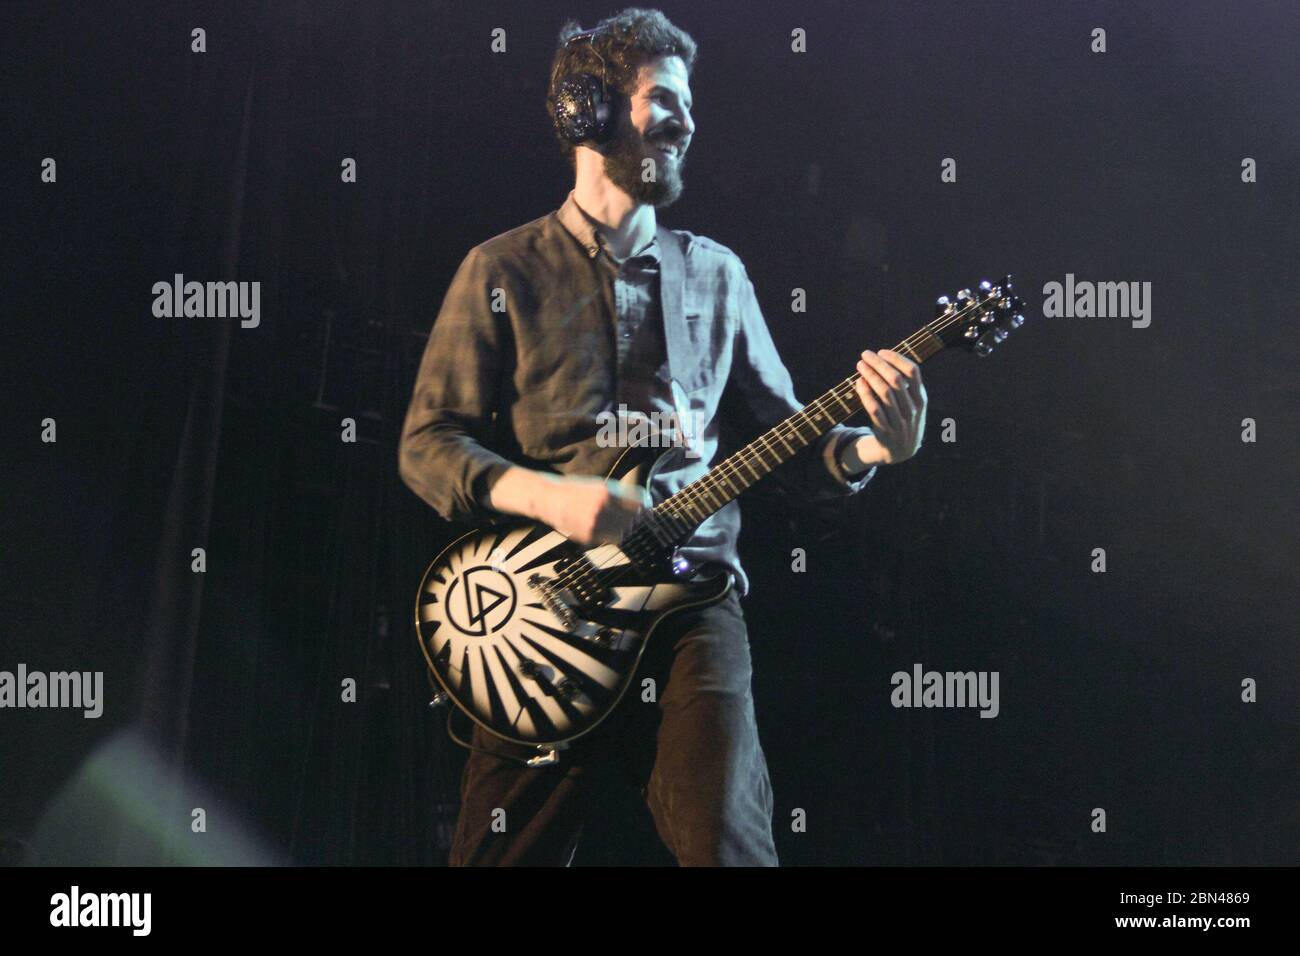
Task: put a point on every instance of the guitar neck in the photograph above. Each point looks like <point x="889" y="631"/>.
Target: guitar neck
<point x="688" y="508"/>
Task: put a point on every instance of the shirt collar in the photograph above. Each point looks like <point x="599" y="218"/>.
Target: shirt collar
<point x="586" y="230"/>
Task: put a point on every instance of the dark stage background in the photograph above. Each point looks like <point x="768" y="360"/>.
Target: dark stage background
<point x="1120" y="690"/>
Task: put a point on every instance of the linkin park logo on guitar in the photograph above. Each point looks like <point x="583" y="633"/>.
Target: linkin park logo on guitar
<point x="481" y="601"/>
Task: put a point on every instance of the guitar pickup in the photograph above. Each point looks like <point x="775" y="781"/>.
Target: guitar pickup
<point x="582" y="582"/>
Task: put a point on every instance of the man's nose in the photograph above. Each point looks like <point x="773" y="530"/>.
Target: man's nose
<point x="688" y="124"/>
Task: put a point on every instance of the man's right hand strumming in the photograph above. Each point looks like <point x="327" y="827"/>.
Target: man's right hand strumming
<point x="587" y="510"/>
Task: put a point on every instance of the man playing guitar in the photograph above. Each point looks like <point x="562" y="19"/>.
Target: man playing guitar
<point x="590" y="308"/>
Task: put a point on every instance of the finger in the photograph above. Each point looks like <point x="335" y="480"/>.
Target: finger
<point x="886" y="396"/>
<point x="906" y="367"/>
<point x="875" y="411"/>
<point x="904" y="402"/>
<point x="886" y="370"/>
<point x="887" y="415"/>
<point x="897" y="379"/>
<point x="911" y="372"/>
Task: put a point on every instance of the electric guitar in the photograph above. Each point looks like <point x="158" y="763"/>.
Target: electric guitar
<point x="537" y="639"/>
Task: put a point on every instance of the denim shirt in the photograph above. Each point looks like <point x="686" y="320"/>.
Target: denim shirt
<point x="522" y="366"/>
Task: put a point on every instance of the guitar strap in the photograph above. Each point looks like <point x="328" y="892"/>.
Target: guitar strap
<point x="672" y="288"/>
<point x="677" y="340"/>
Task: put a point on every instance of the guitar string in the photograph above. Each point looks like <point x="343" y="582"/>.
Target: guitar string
<point x="729" y="468"/>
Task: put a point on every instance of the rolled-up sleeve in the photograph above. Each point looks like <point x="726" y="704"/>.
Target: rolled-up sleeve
<point x="442" y="456"/>
<point x="760" y="389"/>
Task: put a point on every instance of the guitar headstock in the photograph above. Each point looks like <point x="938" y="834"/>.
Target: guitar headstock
<point x="979" y="320"/>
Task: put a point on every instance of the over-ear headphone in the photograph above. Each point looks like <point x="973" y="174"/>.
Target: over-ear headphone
<point x="582" y="108"/>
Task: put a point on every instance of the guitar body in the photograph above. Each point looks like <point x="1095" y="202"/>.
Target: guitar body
<point x="531" y="665"/>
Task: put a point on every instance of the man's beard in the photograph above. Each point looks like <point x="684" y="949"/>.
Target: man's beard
<point x="623" y="166"/>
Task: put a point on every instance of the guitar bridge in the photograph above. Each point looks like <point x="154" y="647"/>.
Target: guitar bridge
<point x="552" y="601"/>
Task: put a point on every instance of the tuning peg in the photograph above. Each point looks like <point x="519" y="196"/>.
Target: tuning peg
<point x="982" y="349"/>
<point x="1000" y="334"/>
<point x="943" y="306"/>
<point x="963" y="294"/>
<point x="972" y="332"/>
<point x="1017" y="320"/>
<point x="986" y="318"/>
<point x="1006" y="283"/>
<point x="986" y="285"/>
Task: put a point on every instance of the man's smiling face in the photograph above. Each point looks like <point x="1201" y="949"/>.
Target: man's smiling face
<point x="658" y="127"/>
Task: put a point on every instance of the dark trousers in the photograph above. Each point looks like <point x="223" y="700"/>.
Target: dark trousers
<point x="693" y="752"/>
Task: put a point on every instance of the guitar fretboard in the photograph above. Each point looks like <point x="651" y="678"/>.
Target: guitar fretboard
<point x="687" y="509"/>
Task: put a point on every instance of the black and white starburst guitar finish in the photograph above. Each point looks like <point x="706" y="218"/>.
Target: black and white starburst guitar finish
<point x="537" y="639"/>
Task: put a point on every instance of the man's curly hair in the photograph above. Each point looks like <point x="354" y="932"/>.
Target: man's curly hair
<point x="626" y="41"/>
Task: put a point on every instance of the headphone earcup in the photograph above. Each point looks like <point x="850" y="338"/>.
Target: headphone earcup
<point x="583" y="110"/>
